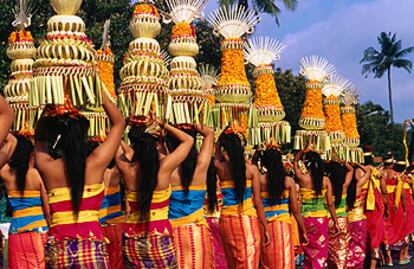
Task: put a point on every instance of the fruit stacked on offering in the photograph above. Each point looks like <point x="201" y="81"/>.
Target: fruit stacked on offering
<point x="187" y="102"/>
<point x="65" y="70"/>
<point x="233" y="91"/>
<point x="312" y="119"/>
<point x="21" y="51"/>
<point x="144" y="74"/>
<point x="262" y="52"/>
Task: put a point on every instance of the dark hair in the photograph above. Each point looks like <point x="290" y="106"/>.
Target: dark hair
<point x="231" y="143"/>
<point x="351" y="191"/>
<point x="188" y="166"/>
<point x="146" y="153"/>
<point x="400" y="167"/>
<point x="212" y="186"/>
<point x="271" y="159"/>
<point x="315" y="166"/>
<point x="66" y="137"/>
<point x="388" y="159"/>
<point x="92" y="145"/>
<point x="368" y="156"/>
<point x="336" y="173"/>
<point x="19" y="161"/>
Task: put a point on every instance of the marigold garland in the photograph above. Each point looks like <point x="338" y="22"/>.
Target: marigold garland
<point x="266" y="92"/>
<point x="232" y="68"/>
<point x="20" y="36"/>
<point x="183" y="29"/>
<point x="313" y="104"/>
<point x="349" y="123"/>
<point x="333" y="114"/>
<point x="146" y="9"/>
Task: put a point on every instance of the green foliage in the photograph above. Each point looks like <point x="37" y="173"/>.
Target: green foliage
<point x="376" y="130"/>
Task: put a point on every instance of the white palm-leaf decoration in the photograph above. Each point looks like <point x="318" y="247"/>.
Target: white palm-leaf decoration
<point x="185" y="10"/>
<point x="263" y="50"/>
<point x="166" y="58"/>
<point x="316" y="68"/>
<point x="336" y="85"/>
<point x="208" y="75"/>
<point x="233" y="21"/>
<point x="350" y="96"/>
<point x="106" y="39"/>
<point x="22" y="14"/>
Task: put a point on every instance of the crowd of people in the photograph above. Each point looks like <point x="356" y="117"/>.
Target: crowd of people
<point x="161" y="202"/>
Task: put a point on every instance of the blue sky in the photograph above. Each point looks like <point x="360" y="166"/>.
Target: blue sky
<point x="340" y="30"/>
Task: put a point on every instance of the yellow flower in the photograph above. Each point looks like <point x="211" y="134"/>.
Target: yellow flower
<point x="313" y="104"/>
<point x="232" y="68"/>
<point x="146" y="9"/>
<point x="349" y="123"/>
<point x="266" y="92"/>
<point x="20" y="36"/>
<point x="182" y="29"/>
<point x="333" y="115"/>
<point x="106" y="72"/>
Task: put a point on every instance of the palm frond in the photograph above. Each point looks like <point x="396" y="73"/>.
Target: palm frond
<point x="403" y="63"/>
<point x="227" y="2"/>
<point x="291" y="4"/>
<point x="404" y="52"/>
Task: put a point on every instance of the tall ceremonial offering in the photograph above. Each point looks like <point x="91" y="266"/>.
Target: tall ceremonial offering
<point x="262" y="52"/>
<point x="349" y="123"/>
<point x="312" y="119"/>
<point x="21" y="51"/>
<point x="187" y="102"/>
<point x="144" y="74"/>
<point x="332" y="92"/>
<point x="233" y="93"/>
<point x="98" y="120"/>
<point x="65" y="70"/>
<point x="208" y="81"/>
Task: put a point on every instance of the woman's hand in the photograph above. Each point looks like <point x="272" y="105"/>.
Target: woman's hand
<point x="304" y="239"/>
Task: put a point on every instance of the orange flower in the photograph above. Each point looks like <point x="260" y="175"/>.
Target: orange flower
<point x="182" y="29"/>
<point x="313" y="104"/>
<point x="106" y="72"/>
<point x="20" y="36"/>
<point x="333" y="115"/>
<point x="232" y="68"/>
<point x="349" y="123"/>
<point x="146" y="9"/>
<point x="266" y="92"/>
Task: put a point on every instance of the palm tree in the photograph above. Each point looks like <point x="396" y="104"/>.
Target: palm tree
<point x="264" y="6"/>
<point x="390" y="55"/>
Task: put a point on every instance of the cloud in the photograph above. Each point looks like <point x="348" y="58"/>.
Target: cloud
<point x="342" y="37"/>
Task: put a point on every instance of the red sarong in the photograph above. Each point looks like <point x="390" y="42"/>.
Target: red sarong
<point x="375" y="223"/>
<point x="357" y="244"/>
<point x="394" y="225"/>
<point x="409" y="215"/>
<point x="113" y="237"/>
<point x="220" y="260"/>
<point x="27" y="250"/>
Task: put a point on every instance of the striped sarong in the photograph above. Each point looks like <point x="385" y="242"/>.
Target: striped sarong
<point x="27" y="250"/>
<point x="241" y="240"/>
<point x="76" y="254"/>
<point x="149" y="250"/>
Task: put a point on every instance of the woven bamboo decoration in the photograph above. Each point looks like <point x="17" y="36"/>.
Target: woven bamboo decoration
<point x="21" y="51"/>
<point x="65" y="70"/>
<point x="144" y="74"/>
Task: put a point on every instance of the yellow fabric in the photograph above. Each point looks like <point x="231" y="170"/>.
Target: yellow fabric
<point x="374" y="182"/>
<point x="63" y="193"/>
<point x="195" y="188"/>
<point x="109" y="210"/>
<point x="26" y="194"/>
<point x="285" y="217"/>
<point x="157" y="197"/>
<point x="30" y="211"/>
<point x="398" y="191"/>
<point x="68" y="217"/>
<point x="33" y="225"/>
<point x="247" y="208"/>
<point x="197" y="218"/>
<point x="308" y="194"/>
<point x="112" y="189"/>
<point x="357" y="213"/>
<point x="230" y="184"/>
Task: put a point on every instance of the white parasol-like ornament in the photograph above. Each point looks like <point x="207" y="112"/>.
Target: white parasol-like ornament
<point x="263" y="50"/>
<point x="184" y="10"/>
<point x="336" y="85"/>
<point x="316" y="68"/>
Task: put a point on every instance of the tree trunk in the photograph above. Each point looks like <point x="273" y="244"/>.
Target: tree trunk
<point x="390" y="95"/>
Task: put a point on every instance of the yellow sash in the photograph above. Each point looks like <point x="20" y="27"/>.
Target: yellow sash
<point x="373" y="183"/>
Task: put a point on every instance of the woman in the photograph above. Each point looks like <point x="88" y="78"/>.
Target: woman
<point x="110" y="212"/>
<point x="191" y="235"/>
<point x="242" y="218"/>
<point x="28" y="202"/>
<point x="6" y="121"/>
<point x="338" y="240"/>
<point x="148" y="235"/>
<point x="375" y="208"/>
<point x="74" y="182"/>
<point x="357" y="218"/>
<point x="315" y="188"/>
<point x="279" y="193"/>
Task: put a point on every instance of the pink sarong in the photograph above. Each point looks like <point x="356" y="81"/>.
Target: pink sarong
<point x="316" y="252"/>
<point x="357" y="244"/>
<point x="218" y="250"/>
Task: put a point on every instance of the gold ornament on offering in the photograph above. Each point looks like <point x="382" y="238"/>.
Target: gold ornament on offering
<point x="187" y="103"/>
<point x="349" y="121"/>
<point x="21" y="51"/>
<point x="144" y="74"/>
<point x="208" y="81"/>
<point x="65" y="65"/>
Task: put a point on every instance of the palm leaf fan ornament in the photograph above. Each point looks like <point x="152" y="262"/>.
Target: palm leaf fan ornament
<point x="22" y="13"/>
<point x="208" y="75"/>
<point x="316" y="68"/>
<point x="263" y="50"/>
<point x="350" y="96"/>
<point x="184" y="10"/>
<point x="336" y="85"/>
